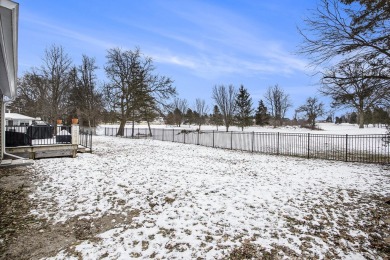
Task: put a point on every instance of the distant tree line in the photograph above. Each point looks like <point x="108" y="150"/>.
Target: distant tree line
<point x="234" y="107"/>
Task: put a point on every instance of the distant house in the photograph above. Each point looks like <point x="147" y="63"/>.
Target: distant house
<point x="14" y="119"/>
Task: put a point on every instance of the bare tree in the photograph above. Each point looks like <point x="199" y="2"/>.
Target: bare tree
<point x="85" y="99"/>
<point x="348" y="87"/>
<point x="121" y="67"/>
<point x="341" y="32"/>
<point x="31" y="97"/>
<point x="278" y="103"/>
<point x="134" y="91"/>
<point x="44" y="92"/>
<point x="225" y="98"/>
<point x="55" y="73"/>
<point x="201" y="110"/>
<point x="312" y="109"/>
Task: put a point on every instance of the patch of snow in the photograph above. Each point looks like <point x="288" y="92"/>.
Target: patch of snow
<point x="196" y="201"/>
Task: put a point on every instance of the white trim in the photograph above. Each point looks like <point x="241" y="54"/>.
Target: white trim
<point x="9" y="4"/>
<point x="12" y="72"/>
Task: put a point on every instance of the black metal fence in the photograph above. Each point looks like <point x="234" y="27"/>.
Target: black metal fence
<point x="351" y="148"/>
<point x="86" y="139"/>
<point x="36" y="135"/>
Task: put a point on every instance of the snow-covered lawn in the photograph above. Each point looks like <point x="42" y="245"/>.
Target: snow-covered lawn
<point x="326" y="128"/>
<point x="170" y="200"/>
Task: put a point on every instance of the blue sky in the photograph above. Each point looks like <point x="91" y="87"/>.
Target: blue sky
<point x="198" y="44"/>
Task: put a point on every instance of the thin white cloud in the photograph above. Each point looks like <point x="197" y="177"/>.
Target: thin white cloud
<point x="220" y="65"/>
<point x="220" y="41"/>
<point x="53" y="29"/>
<point x="216" y="42"/>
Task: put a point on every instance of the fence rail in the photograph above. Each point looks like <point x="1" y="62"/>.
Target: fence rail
<point x="352" y="148"/>
<point x="85" y="139"/>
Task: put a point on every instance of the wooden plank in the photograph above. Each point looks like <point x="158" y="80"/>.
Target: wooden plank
<point x="54" y="153"/>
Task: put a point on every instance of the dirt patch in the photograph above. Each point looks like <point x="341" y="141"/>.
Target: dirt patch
<point x="23" y="236"/>
<point x="14" y="206"/>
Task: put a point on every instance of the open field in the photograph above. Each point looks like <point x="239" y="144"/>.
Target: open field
<point x="145" y="198"/>
<point x="325" y="128"/>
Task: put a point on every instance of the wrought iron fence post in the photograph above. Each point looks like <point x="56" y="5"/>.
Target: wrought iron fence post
<point x="173" y="135"/>
<point x="308" y="145"/>
<point x="162" y="138"/>
<point x="231" y="140"/>
<point x="91" y="142"/>
<point x="346" y="147"/>
<point x="213" y="138"/>
<point x="253" y="140"/>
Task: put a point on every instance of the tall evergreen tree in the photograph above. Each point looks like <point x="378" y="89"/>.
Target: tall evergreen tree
<point x="178" y="117"/>
<point x="189" y="116"/>
<point x="244" y="108"/>
<point x="216" y="118"/>
<point x="262" y="116"/>
<point x="380" y="116"/>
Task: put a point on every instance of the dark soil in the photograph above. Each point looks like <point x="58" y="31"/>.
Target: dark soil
<point x="22" y="236"/>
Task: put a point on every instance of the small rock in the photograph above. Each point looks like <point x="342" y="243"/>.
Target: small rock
<point x="41" y="231"/>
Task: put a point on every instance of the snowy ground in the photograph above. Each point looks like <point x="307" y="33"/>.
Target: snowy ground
<point x="170" y="200"/>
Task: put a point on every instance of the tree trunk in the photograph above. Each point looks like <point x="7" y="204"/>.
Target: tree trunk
<point x="132" y="128"/>
<point x="133" y="125"/>
<point x="150" y="129"/>
<point x="361" y="119"/>
<point x="121" y="128"/>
